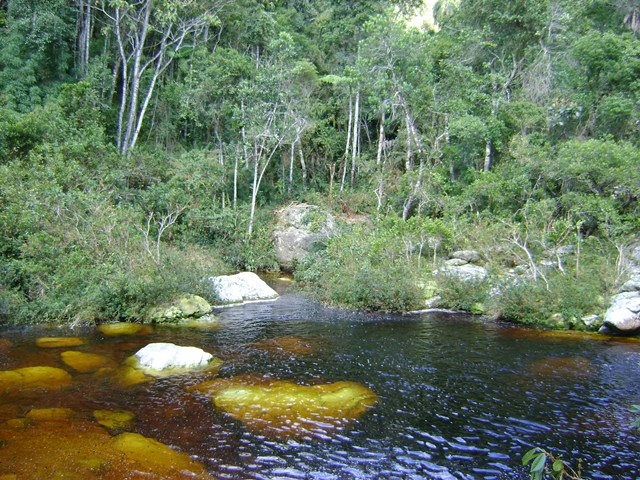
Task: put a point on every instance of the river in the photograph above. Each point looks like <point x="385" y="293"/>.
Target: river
<point x="461" y="397"/>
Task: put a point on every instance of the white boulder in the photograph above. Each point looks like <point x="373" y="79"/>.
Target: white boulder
<point x="301" y="229"/>
<point x="241" y="287"/>
<point x="162" y="356"/>
<point x="464" y="273"/>
<point x="623" y="315"/>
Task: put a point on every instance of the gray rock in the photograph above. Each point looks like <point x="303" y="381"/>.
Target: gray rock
<point x="455" y="262"/>
<point x="185" y="306"/>
<point x="468" y="256"/>
<point x="634" y="253"/>
<point x="465" y="273"/>
<point x="162" y="356"/>
<point x="301" y="229"/>
<point x="623" y="315"/>
<point x="591" y="320"/>
<point x="633" y="283"/>
<point x="241" y="287"/>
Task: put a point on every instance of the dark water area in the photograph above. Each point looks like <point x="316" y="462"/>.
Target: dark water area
<point x="460" y="397"/>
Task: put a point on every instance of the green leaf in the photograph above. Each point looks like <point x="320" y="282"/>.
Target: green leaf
<point x="558" y="466"/>
<point x="538" y="463"/>
<point x="529" y="455"/>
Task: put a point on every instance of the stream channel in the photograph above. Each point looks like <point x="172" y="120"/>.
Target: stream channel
<point x="460" y="397"/>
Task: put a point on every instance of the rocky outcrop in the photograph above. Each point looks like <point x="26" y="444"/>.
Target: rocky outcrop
<point x="468" y="256"/>
<point x="301" y="229"/>
<point x="185" y="306"/>
<point x="465" y="272"/>
<point x="241" y="287"/>
<point x="623" y="314"/>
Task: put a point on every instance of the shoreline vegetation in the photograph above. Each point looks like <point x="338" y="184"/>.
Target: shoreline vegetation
<point x="147" y="146"/>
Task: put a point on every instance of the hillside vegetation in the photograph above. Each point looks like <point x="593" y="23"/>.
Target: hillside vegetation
<point x="145" y="143"/>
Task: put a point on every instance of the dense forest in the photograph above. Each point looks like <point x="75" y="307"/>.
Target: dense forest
<point x="144" y="145"/>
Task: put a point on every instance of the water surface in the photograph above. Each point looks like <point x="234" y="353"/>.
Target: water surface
<point x="460" y="397"/>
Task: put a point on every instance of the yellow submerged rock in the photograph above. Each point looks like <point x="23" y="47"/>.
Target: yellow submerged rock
<point x="83" y="362"/>
<point x="80" y="449"/>
<point x="31" y="378"/>
<point x="124" y="328"/>
<point x="114" y="420"/>
<point x="57" y="342"/>
<point x="49" y="414"/>
<point x="156" y="456"/>
<point x="285" y="408"/>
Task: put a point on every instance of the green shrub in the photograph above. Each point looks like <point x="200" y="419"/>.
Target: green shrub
<point x="367" y="267"/>
<point x="465" y="296"/>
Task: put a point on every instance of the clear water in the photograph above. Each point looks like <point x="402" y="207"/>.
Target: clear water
<point x="461" y="397"/>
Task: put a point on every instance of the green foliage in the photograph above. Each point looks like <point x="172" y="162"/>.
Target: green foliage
<point x="539" y="470"/>
<point x="375" y="266"/>
<point x="463" y="295"/>
<point x="636" y="423"/>
<point x="565" y="299"/>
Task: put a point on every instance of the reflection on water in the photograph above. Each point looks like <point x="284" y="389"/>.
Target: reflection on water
<point x="459" y="398"/>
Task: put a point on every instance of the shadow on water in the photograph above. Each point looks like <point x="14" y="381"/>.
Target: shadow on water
<point x="459" y="397"/>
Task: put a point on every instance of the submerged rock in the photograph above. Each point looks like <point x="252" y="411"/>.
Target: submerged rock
<point x="185" y="306"/>
<point x="80" y="449"/>
<point x="562" y="367"/>
<point x="241" y="287"/>
<point x="296" y="346"/>
<point x="284" y="408"/>
<point x="114" y="420"/>
<point x="301" y="229"/>
<point x="123" y="328"/>
<point x="49" y="414"/>
<point x="32" y="378"/>
<point x="57" y="342"/>
<point x="84" y="362"/>
<point x="158" y="457"/>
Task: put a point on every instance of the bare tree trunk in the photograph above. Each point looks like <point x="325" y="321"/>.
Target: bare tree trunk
<point x="409" y="144"/>
<point x="332" y="173"/>
<point x="356" y="132"/>
<point x="380" y="139"/>
<point x="254" y="196"/>
<point x="346" y="150"/>
<point x="235" y="181"/>
<point x="136" y="75"/>
<point x="291" y="157"/>
<point x="303" y="166"/>
<point x="84" y="34"/>
<point x="487" y="156"/>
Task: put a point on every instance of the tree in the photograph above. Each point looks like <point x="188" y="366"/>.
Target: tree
<point x="149" y="35"/>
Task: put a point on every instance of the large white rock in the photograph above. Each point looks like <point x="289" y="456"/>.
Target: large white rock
<point x="464" y="273"/>
<point x="301" y="229"/>
<point x="623" y="315"/>
<point x="161" y="356"/>
<point x="241" y="287"/>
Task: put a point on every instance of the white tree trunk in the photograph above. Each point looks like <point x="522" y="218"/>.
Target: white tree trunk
<point x="356" y="138"/>
<point x="346" y="150"/>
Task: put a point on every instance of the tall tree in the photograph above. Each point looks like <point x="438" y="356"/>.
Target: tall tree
<point x="149" y="35"/>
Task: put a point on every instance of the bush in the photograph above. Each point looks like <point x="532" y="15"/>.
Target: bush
<point x="367" y="267"/>
<point x="465" y="296"/>
<point x="568" y="298"/>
